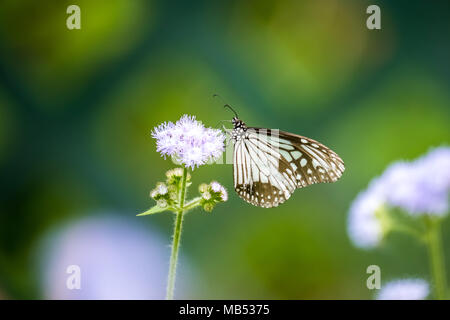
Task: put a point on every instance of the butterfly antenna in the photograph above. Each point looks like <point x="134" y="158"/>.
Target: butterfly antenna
<point x="229" y="107"/>
<point x="226" y="105"/>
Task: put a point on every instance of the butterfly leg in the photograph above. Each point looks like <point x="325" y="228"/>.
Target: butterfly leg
<point x="221" y="122"/>
<point x="228" y="135"/>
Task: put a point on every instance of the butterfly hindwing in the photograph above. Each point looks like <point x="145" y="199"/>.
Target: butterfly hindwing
<point x="262" y="176"/>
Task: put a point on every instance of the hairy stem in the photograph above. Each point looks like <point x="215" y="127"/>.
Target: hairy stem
<point x="192" y="204"/>
<point x="176" y="239"/>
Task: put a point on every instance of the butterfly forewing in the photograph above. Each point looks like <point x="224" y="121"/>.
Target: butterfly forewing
<point x="270" y="164"/>
<point x="312" y="161"/>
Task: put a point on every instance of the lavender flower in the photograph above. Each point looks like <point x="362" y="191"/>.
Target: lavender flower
<point x="160" y="190"/>
<point x="218" y="188"/>
<point x="211" y="194"/>
<point x="188" y="141"/>
<point x="406" y="289"/>
<point x="118" y="258"/>
<point x="206" y="195"/>
<point x="418" y="187"/>
<point x="422" y="186"/>
<point x="438" y="161"/>
<point x="364" y="226"/>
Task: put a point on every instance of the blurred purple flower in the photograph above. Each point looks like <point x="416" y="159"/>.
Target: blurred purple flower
<point x="188" y="141"/>
<point x="422" y="186"/>
<point x="406" y="289"/>
<point x="118" y="259"/>
<point x="418" y="187"/>
<point x="364" y="227"/>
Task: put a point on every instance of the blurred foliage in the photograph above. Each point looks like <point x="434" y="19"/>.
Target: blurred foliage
<point x="77" y="107"/>
<point x="6" y="124"/>
<point x="52" y="59"/>
<point x="315" y="48"/>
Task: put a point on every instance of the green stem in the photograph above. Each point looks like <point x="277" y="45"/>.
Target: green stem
<point x="436" y="258"/>
<point x="410" y="231"/>
<point x="176" y="239"/>
<point x="192" y="204"/>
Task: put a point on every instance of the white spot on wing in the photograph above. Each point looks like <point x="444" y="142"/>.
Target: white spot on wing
<point x="303" y="162"/>
<point x="286" y="155"/>
<point x="296" y="154"/>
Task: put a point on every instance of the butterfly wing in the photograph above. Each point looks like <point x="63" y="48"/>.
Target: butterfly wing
<point x="261" y="177"/>
<point x="270" y="164"/>
<point x="312" y="161"/>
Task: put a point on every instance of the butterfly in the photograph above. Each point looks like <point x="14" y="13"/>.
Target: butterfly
<point x="269" y="164"/>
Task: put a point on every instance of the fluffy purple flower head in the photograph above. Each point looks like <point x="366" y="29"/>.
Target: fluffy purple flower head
<point x="188" y="141"/>
<point x="418" y="187"/>
<point x="217" y="187"/>
<point x="422" y="186"/>
<point x="405" y="289"/>
<point x="435" y="170"/>
<point x="364" y="227"/>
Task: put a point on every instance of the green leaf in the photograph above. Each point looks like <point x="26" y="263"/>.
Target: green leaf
<point x="153" y="210"/>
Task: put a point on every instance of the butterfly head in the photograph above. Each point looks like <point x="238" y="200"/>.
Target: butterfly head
<point x="239" y="129"/>
<point x="238" y="124"/>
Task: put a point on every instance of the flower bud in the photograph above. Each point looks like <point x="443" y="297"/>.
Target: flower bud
<point x="206" y="195"/>
<point x="203" y="188"/>
<point x="208" y="207"/>
<point x="161" y="188"/>
<point x="219" y="191"/>
<point x="162" y="203"/>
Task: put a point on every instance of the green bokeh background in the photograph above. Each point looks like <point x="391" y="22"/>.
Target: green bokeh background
<point x="76" y="109"/>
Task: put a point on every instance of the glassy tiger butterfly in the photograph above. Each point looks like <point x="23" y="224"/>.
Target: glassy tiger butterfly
<point x="269" y="164"/>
